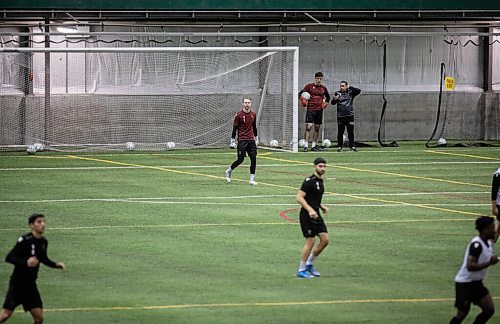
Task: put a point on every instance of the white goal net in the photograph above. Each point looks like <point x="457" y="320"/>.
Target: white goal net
<point x="103" y="98"/>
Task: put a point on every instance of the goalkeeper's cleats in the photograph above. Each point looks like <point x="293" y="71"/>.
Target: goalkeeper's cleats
<point x="316" y="148"/>
<point x="252" y="182"/>
<point x="312" y="271"/>
<point x="304" y="274"/>
<point x="305" y="149"/>
<point x="228" y="175"/>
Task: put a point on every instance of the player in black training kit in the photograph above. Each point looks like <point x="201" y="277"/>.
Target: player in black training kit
<point x="311" y="222"/>
<point x="26" y="256"/>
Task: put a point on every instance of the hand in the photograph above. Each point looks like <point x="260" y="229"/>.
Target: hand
<point x="233" y="143"/>
<point x="324" y="209"/>
<point x="493" y="260"/>
<point x="313" y="214"/>
<point x="303" y="101"/>
<point x="60" y="265"/>
<point x="324" y="105"/>
<point x="32" y="262"/>
<point x="256" y="140"/>
<point x="495" y="210"/>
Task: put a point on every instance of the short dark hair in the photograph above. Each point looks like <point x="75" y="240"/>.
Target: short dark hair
<point x="343" y="82"/>
<point x="318" y="75"/>
<point x="33" y="218"/>
<point x="483" y="222"/>
<point x="319" y="160"/>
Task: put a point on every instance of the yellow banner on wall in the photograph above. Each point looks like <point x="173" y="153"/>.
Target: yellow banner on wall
<point x="449" y="83"/>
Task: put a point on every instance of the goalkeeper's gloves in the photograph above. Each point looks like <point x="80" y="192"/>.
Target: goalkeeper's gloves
<point x="324" y="104"/>
<point x="303" y="101"/>
<point x="233" y="143"/>
<point x="256" y="140"/>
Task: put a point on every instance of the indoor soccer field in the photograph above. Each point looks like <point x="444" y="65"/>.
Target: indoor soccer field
<point x="160" y="237"/>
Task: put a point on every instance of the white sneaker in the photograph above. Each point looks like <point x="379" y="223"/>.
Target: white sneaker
<point x="228" y="175"/>
<point x="252" y="182"/>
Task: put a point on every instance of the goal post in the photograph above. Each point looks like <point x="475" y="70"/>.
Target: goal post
<point x="98" y="99"/>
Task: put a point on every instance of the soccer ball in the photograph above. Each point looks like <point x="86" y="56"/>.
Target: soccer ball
<point x="273" y="143"/>
<point x="38" y="147"/>
<point x="306" y="95"/>
<point x="31" y="149"/>
<point x="441" y="142"/>
<point x="130" y="146"/>
<point x="170" y="145"/>
<point x="345" y="138"/>
<point x="302" y="143"/>
<point x="327" y="143"/>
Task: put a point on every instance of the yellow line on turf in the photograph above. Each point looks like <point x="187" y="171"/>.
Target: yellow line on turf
<point x="378" y="199"/>
<point x="464" y="155"/>
<point x="272" y="184"/>
<point x="388" y="173"/>
<point x="97" y="227"/>
<point x="260" y="304"/>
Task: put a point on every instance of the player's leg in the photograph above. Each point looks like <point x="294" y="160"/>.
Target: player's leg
<point x="487" y="307"/>
<point x="307" y="135"/>
<point x="252" y="154"/>
<point x="308" y="232"/>
<point x="37" y="314"/>
<point x="462" y="302"/>
<point x="350" y="133"/>
<point x="318" y="120"/>
<point x="5" y="314"/>
<point x="340" y="133"/>
<point x="241" y="153"/>
<point x="323" y="242"/>
<point x="306" y="251"/>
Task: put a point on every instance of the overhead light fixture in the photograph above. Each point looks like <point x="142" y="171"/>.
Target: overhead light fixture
<point x="67" y="29"/>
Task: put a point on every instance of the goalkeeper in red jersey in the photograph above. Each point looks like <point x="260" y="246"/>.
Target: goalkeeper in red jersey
<point x="318" y="100"/>
<point x="245" y="126"/>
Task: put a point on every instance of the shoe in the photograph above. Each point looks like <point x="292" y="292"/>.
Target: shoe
<point x="312" y="271"/>
<point x="304" y="274"/>
<point x="252" y="182"/>
<point x="316" y="149"/>
<point x="228" y="175"/>
<point x="339" y="149"/>
<point x="305" y="149"/>
<point x="353" y="149"/>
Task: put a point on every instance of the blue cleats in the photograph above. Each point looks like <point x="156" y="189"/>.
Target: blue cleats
<point x="312" y="271"/>
<point x="304" y="274"/>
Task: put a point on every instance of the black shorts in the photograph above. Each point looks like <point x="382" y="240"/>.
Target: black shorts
<point x="25" y="294"/>
<point x="314" y="117"/>
<point x="311" y="227"/>
<point x="469" y="292"/>
<point x="245" y="147"/>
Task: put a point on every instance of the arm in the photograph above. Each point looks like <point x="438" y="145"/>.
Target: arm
<point x="327" y="95"/>
<point x="495" y="186"/>
<point x="13" y="256"/>
<point x="302" y="201"/>
<point x="354" y="91"/>
<point x="472" y="264"/>
<point x="335" y="98"/>
<point x="474" y="251"/>
<point x="48" y="262"/>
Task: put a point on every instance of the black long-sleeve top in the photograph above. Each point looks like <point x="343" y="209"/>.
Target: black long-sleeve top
<point x="26" y="247"/>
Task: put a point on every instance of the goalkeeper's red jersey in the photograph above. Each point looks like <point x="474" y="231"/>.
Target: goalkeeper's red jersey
<point x="245" y="123"/>
<point x="318" y="94"/>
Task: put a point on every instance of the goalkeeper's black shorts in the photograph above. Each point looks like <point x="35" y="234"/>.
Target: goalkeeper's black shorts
<point x="314" y="117"/>
<point x="245" y="147"/>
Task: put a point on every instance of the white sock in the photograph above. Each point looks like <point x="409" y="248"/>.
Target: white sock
<point x="229" y="170"/>
<point x="313" y="144"/>
<point x="302" y="266"/>
<point x="311" y="259"/>
<point x="252" y="177"/>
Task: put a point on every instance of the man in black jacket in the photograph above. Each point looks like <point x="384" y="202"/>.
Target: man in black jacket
<point x="345" y="113"/>
<point x="26" y="256"/>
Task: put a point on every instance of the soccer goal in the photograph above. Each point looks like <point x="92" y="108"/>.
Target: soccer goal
<point x="145" y="98"/>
